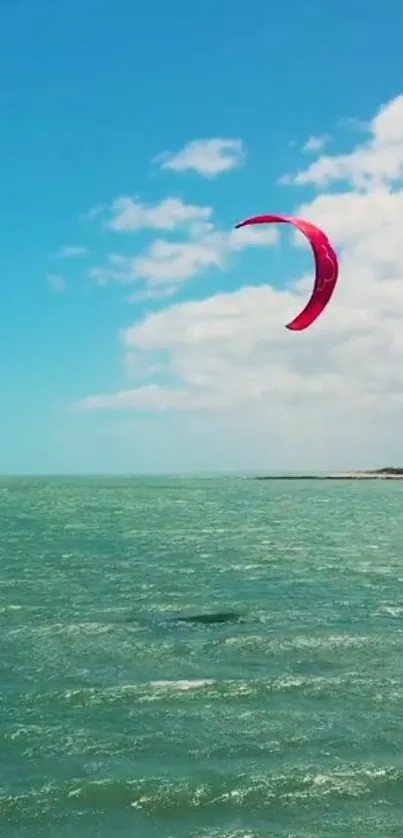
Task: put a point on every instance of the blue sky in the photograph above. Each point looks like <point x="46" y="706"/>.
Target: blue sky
<point x="92" y="94"/>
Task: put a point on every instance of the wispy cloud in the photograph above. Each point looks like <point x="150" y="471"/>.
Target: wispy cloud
<point x="172" y="263"/>
<point x="315" y="144"/>
<point x="131" y="214"/>
<point x="208" y="157"/>
<point x="93" y="212"/>
<point x="56" y="283"/>
<point x="70" y="251"/>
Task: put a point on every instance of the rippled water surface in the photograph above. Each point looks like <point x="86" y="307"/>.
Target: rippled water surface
<point x="116" y="720"/>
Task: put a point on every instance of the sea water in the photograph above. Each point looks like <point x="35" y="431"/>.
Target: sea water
<point x="117" y="720"/>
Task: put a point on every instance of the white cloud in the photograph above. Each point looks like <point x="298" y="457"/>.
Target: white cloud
<point x="130" y="214"/>
<point x="328" y="397"/>
<point x="178" y="261"/>
<point x="208" y="158"/>
<point x="377" y="162"/>
<point x="171" y="263"/>
<point x="315" y="144"/>
<point x="134" y="365"/>
<point x="56" y="283"/>
<point x="71" y="251"/>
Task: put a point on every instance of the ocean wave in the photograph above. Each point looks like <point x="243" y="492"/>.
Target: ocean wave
<point x="160" y="795"/>
<point x="314" y="642"/>
<point x="352" y="683"/>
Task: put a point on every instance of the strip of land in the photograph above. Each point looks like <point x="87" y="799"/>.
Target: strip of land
<point x="386" y="473"/>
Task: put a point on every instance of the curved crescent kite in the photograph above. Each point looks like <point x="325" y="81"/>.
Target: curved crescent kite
<point x="326" y="264"/>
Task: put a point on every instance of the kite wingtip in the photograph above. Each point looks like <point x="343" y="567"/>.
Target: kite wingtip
<point x="294" y="327"/>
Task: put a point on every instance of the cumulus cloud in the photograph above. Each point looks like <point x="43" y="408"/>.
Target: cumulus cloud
<point x="208" y="158"/>
<point x="377" y="162"/>
<point x="328" y="397"/>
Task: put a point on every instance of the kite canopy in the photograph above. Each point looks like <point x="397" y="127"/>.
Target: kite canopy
<point x="326" y="266"/>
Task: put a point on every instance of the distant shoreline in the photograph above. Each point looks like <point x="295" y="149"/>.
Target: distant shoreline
<point x="387" y="473"/>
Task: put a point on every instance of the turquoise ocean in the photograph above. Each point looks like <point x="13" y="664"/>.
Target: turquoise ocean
<point x="118" y="721"/>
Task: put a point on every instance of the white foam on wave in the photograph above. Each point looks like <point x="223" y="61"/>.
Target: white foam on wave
<point x="300" y="642"/>
<point x="183" y="685"/>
